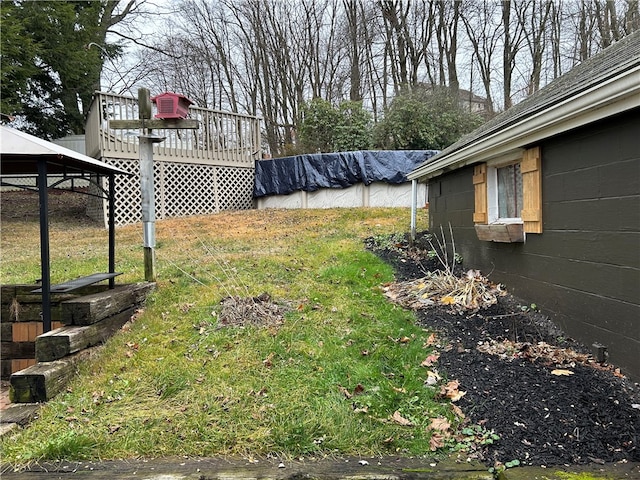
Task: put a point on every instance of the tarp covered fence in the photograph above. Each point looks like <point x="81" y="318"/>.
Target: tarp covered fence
<point x="311" y="172"/>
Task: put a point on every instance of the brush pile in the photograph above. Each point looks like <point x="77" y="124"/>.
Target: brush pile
<point x="257" y="311"/>
<point x="468" y="293"/>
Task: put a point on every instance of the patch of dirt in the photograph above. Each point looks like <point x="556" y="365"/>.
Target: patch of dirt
<point x="543" y="393"/>
<point x="66" y="208"/>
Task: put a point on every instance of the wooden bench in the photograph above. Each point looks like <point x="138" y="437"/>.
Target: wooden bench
<point x="79" y="282"/>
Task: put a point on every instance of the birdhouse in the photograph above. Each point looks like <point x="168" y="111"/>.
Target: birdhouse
<point x="171" y="105"/>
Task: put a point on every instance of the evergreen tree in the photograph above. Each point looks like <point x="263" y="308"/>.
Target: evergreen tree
<point x="49" y="68"/>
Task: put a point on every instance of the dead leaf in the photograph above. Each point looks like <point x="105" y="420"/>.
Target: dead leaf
<point x="405" y="340"/>
<point x="267" y="362"/>
<point x="400" y="420"/>
<point x="458" y="395"/>
<point x="114" y="428"/>
<point x="436" y="441"/>
<point x="344" y="391"/>
<point x="430" y="360"/>
<point x="440" y="423"/>
<point x="448" y="300"/>
<point x="561" y="372"/>
<point x="358" y="390"/>
<point x="185" y="307"/>
<point x="450" y="390"/>
<point x="431" y="340"/>
<point x="399" y="390"/>
<point x="432" y="377"/>
<point x="458" y="411"/>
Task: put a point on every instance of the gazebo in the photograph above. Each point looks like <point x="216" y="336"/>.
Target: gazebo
<point x="25" y="156"/>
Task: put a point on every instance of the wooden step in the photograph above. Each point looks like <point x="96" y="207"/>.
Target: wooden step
<point x="64" y="341"/>
<point x="91" y="309"/>
<point x="43" y="381"/>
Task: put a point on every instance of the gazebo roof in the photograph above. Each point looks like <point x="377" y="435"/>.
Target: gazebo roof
<point x="20" y="153"/>
<point x="23" y="155"/>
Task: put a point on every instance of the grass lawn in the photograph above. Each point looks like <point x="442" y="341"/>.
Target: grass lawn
<point x="341" y="374"/>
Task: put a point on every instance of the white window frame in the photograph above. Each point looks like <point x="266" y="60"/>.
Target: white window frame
<point x="492" y="191"/>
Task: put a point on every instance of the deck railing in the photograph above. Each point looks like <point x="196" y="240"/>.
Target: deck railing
<point x="223" y="138"/>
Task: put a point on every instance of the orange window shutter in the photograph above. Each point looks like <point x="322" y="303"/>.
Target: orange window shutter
<point x="531" y="190"/>
<point x="480" y="192"/>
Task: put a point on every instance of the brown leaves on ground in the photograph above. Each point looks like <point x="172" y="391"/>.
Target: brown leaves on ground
<point x="430" y="360"/>
<point x="359" y="389"/>
<point x="470" y="292"/>
<point x="551" y="355"/>
<point x="451" y="391"/>
<point x="400" y="420"/>
<point x="440" y="432"/>
<point x="256" y="311"/>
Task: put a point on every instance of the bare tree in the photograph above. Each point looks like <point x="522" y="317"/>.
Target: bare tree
<point x="268" y="57"/>
<point x="512" y="43"/>
<point x="481" y="21"/>
<point x="353" y="11"/>
<point x="533" y="16"/>
<point x="448" y="20"/>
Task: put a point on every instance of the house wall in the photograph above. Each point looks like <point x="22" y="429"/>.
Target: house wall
<point x="584" y="269"/>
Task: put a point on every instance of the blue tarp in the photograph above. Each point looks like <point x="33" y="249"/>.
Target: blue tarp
<point x="310" y="172"/>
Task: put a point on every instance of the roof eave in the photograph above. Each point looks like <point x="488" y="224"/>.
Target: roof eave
<point x="616" y="95"/>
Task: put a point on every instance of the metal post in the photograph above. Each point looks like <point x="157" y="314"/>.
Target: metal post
<point x="112" y="229"/>
<point x="44" y="246"/>
<point x="414" y="201"/>
<point x="148" y="207"/>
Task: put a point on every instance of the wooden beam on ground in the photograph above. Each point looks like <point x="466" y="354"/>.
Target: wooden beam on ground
<point x="43" y="381"/>
<point x="93" y="308"/>
<point x="64" y="341"/>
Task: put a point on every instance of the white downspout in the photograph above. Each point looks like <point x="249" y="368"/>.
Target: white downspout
<point x="414" y="201"/>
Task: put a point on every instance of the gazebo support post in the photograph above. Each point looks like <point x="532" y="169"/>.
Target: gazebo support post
<point x="44" y="245"/>
<point x="112" y="229"/>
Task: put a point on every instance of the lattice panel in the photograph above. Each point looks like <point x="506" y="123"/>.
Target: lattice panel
<point x="235" y="187"/>
<point x="182" y="189"/>
<point x="188" y="189"/>
<point x="127" y="192"/>
<point x="96" y="204"/>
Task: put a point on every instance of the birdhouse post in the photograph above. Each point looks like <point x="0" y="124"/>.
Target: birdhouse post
<point x="172" y="112"/>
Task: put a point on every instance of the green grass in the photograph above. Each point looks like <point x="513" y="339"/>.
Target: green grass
<point x="174" y="383"/>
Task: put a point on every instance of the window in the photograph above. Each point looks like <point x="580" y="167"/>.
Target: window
<point x="510" y="193"/>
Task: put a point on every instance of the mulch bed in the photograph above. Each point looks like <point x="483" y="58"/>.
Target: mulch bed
<point x="591" y="414"/>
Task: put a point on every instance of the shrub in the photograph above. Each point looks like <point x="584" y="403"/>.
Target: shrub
<point x="423" y="119"/>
